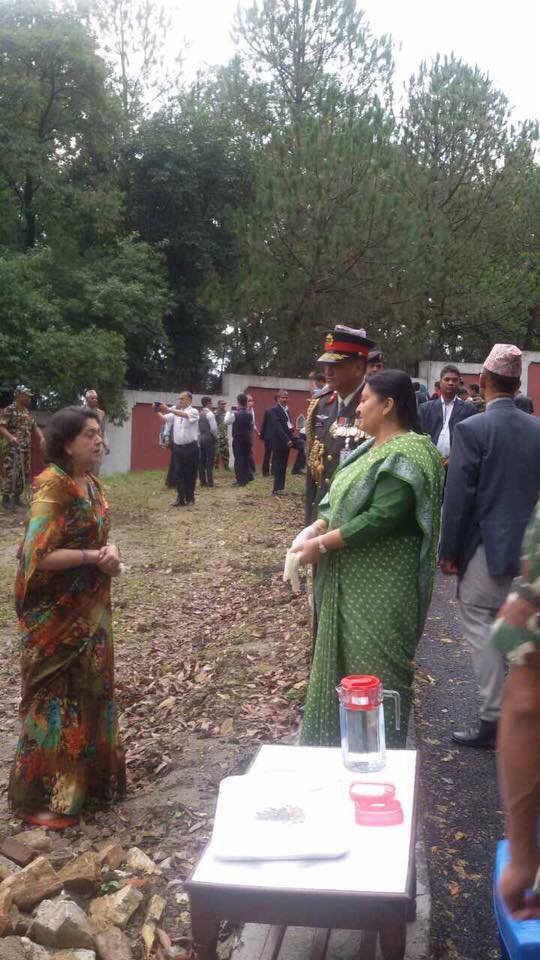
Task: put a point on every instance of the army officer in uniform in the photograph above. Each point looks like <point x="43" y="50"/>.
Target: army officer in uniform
<point x="330" y="430"/>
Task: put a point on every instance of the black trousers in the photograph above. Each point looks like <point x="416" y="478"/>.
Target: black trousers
<point x="207" y="453"/>
<point x="300" y="462"/>
<point x="279" y="468"/>
<point x="267" y="457"/>
<point x="242" y="452"/>
<point x="185" y="460"/>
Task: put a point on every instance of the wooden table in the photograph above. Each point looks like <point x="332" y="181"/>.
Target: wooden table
<point x="369" y="889"/>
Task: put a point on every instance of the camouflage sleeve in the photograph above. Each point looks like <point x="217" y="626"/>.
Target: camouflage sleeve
<point x="4" y="417"/>
<point x="516" y="631"/>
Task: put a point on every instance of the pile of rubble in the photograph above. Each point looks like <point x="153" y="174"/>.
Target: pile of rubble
<point x="59" y="904"/>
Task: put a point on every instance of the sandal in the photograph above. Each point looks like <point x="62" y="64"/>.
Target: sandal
<point x="50" y="821"/>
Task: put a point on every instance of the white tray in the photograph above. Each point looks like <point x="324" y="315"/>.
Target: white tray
<point x="313" y="819"/>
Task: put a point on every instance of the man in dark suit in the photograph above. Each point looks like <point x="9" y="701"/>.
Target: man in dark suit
<point x="242" y="439"/>
<point x="439" y="417"/>
<point x="264" y="434"/>
<point x="279" y="431"/>
<point x="492" y="488"/>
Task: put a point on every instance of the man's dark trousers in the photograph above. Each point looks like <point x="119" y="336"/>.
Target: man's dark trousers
<point x="279" y="468"/>
<point x="207" y="453"/>
<point x="242" y="452"/>
<point x="267" y="457"/>
<point x="185" y="463"/>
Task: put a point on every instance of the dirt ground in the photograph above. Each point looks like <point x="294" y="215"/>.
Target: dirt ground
<point x="211" y="658"/>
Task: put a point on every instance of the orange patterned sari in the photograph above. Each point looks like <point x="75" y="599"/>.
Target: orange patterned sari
<point x="69" y="752"/>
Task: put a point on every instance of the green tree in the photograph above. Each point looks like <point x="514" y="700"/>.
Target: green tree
<point x="311" y="241"/>
<point x="55" y="109"/>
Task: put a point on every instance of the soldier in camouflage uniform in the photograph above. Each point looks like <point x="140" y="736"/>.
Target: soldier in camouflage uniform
<point x="16" y="426"/>
<point x="222" y="445"/>
<point x="331" y="433"/>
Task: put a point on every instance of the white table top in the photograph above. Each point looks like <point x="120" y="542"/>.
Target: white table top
<point x="378" y="858"/>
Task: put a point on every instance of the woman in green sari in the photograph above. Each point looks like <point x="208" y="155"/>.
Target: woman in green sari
<point x="374" y="545"/>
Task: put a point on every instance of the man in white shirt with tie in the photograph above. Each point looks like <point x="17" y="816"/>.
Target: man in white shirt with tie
<point x="185" y="447"/>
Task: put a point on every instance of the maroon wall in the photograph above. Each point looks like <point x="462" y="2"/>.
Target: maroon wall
<point x="146" y="454"/>
<point x="533" y="386"/>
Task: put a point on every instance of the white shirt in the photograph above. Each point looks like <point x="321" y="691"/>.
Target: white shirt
<point x="185" y="430"/>
<point x="286" y="409"/>
<point x="344" y="401"/>
<point x="443" y="443"/>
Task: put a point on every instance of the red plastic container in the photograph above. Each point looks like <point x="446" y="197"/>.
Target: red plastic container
<point x="375" y="804"/>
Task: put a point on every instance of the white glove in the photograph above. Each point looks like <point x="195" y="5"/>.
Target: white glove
<point x="308" y="533"/>
<point x="290" y="570"/>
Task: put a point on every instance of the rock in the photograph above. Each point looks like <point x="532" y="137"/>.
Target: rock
<point x="155" y="909"/>
<point x="6" y="900"/>
<point x="115" y="909"/>
<point x="111" y="855"/>
<point x="7" y="868"/>
<point x="32" y="884"/>
<point x="82" y="874"/>
<point x="13" y="948"/>
<point x="37" y="840"/>
<point x="34" y="951"/>
<point x="61" y="923"/>
<point x="112" y="944"/>
<point x="20" y="922"/>
<point x="17" y="852"/>
<point x="139" y="862"/>
<point x="74" y="955"/>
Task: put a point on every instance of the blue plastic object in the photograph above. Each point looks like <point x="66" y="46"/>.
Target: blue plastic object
<point x="520" y="939"/>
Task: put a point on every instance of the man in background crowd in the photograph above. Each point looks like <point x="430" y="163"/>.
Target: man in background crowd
<point x="17" y="426"/>
<point x="91" y="402"/>
<point x="492" y="488"/>
<point x="331" y="429"/>
<point x="185" y="447"/>
<point x="251" y="408"/>
<point x="439" y="417"/>
<point x="222" y="444"/>
<point x="280" y="431"/>
<point x="317" y="382"/>
<point x="208" y="434"/>
<point x="523" y="403"/>
<point x="264" y="434"/>
<point x="241" y="419"/>
<point x="375" y="363"/>
<point x="476" y="398"/>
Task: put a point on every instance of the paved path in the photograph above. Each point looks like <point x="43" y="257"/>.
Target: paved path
<point x="461" y="811"/>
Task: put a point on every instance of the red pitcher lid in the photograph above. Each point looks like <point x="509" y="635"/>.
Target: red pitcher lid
<point x="362" y="692"/>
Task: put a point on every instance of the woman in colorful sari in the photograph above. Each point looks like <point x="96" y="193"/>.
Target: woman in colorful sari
<point x="374" y="544"/>
<point x="69" y="752"/>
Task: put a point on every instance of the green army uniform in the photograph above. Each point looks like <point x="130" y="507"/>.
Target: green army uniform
<point x="516" y="633"/>
<point x="222" y="443"/>
<point x="16" y="460"/>
<point x="330" y="436"/>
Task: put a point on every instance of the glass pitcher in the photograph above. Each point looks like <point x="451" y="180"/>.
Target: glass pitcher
<point x="361" y="718"/>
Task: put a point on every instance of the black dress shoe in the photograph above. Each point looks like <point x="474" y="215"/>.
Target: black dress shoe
<point x="481" y="734"/>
